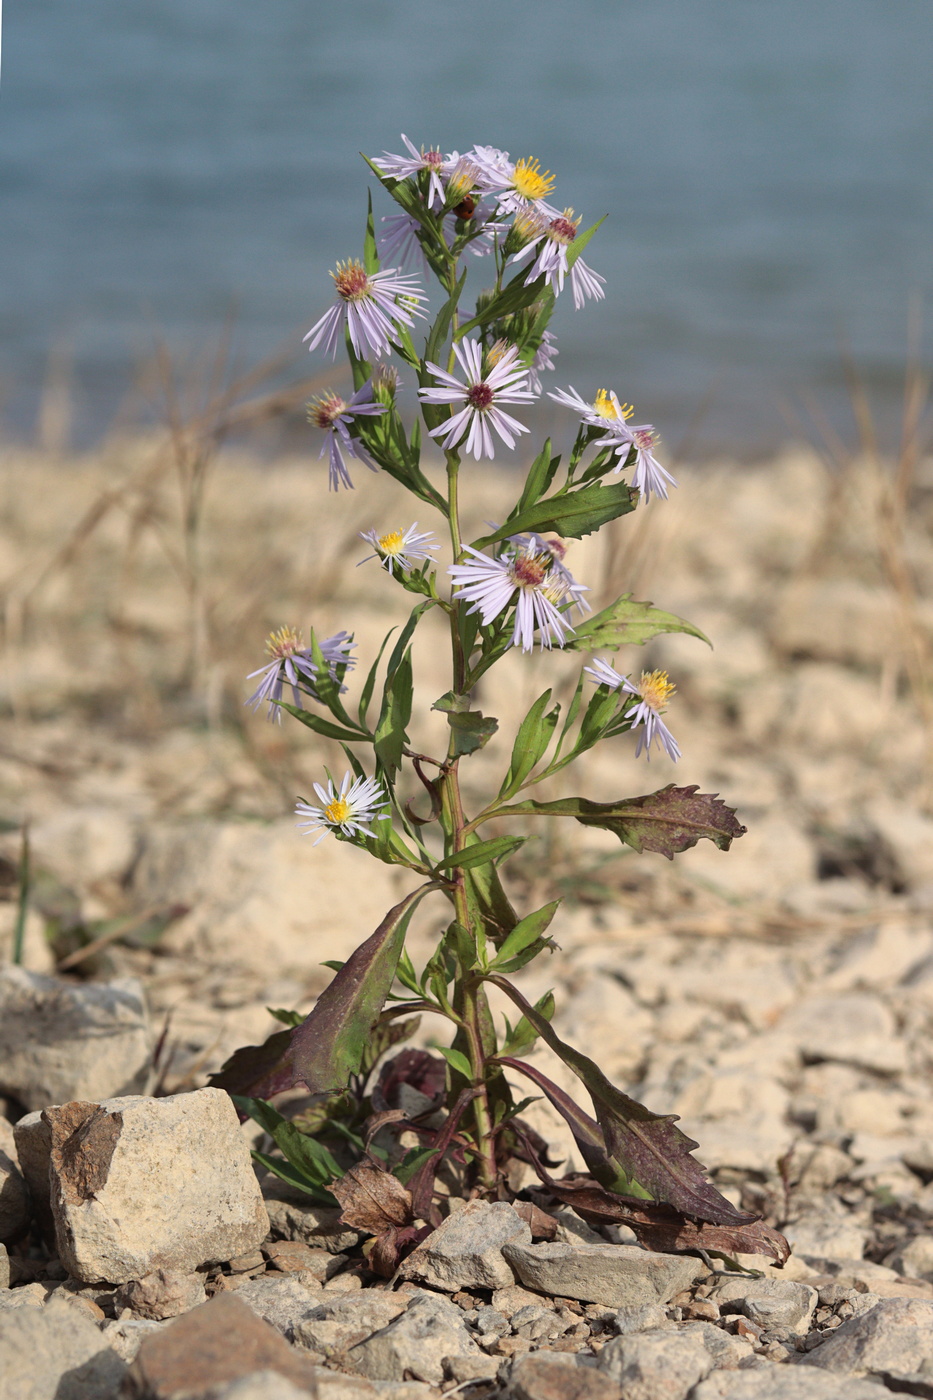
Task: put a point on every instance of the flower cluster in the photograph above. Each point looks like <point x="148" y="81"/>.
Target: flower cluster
<point x="529" y="572"/>
<point x="293" y="665"/>
<point x="620" y="437"/>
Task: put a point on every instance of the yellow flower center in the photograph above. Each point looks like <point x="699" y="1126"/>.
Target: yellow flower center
<point x="655" y="689"/>
<point x="391" y="543"/>
<point x="351" y="280"/>
<point x="337" y="811"/>
<point x="529" y="182"/>
<point x="607" y="406"/>
<point x="285" y="642"/>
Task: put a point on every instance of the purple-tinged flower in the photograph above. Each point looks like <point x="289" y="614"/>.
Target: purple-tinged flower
<point x="648" y="475"/>
<point x="333" y="415"/>
<point x="480" y="395"/>
<point x="348" y="809"/>
<point x="398" y="241"/>
<point x="606" y="412"/>
<point x="529" y="573"/>
<point x="551" y="245"/>
<point x="517" y="184"/>
<point x="545" y="355"/>
<point x="401" y="547"/>
<point x="403" y="167"/>
<point x="373" y="306"/>
<point x="653" y="691"/>
<point x="292" y="664"/>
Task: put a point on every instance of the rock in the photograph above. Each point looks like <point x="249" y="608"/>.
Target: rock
<point x="490" y="1322"/>
<point x="261" y="1385"/>
<point x="294" y="1257"/>
<point x="416" y="1342"/>
<point x="15" y="1205"/>
<point x="280" y="1300"/>
<point x="894" y="1338"/>
<point x="727" y="1350"/>
<point x="616" y="1275"/>
<point x="127" y="1334"/>
<point x="214" y="1345"/>
<point x="466" y="1250"/>
<point x="30" y="1295"/>
<point x="656" y="1365"/>
<point x="537" y="1324"/>
<point x="509" y="1300"/>
<point x="293" y="1217"/>
<point x="337" y="1385"/>
<point x="915" y="1260"/>
<point x="33" y="1139"/>
<point x="639" y="1318"/>
<point x="909" y="836"/>
<point x="771" y="1302"/>
<point x="473" y="1368"/>
<point x="161" y="1294"/>
<point x="61" y="1040"/>
<point x="544" y="1376"/>
<point x="783" y="1383"/>
<point x="140" y="1184"/>
<point x="4" y="1268"/>
<point x="333" y="1326"/>
<point x="55" y="1353"/>
<point x="822" y="1234"/>
<point x="857" y="1029"/>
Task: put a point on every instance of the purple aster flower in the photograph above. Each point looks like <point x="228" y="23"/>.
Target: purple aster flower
<point x="401" y="547"/>
<point x="333" y="415"/>
<point x="551" y="245"/>
<point x="648" y="475"/>
<point x="545" y="355"/>
<point x="517" y="184"/>
<point x="528" y="573"/>
<point x="404" y="167"/>
<point x="348" y="809"/>
<point x="653" y="691"/>
<point x="480" y="395"/>
<point x="606" y="412"/>
<point x="373" y="305"/>
<point x="398" y="241"/>
<point x="292" y="664"/>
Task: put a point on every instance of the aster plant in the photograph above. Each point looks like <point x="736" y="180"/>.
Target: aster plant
<point x="381" y="1125"/>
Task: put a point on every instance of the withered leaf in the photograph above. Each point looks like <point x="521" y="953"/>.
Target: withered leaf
<point x="372" y="1199"/>
<point x="541" y="1225"/>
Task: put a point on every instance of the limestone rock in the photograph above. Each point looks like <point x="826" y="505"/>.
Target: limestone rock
<point x="466" y="1250"/>
<point x="30" y="1295"/>
<point x="61" y="1041"/>
<point x="771" y="1302"/>
<point x="163" y="1293"/>
<point x="415" y="1343"/>
<point x="895" y="1337"/>
<point x="641" y="1318"/>
<point x="126" y="1335"/>
<point x="140" y="1184"/>
<point x="857" y="1029"/>
<point x="214" y="1345"/>
<point x="4" y="1268"/>
<point x="656" y="1365"/>
<point x="915" y="1260"/>
<point x="616" y="1275"/>
<point x="15" y="1205"/>
<point x="33" y="1139"/>
<point x="261" y="1385"/>
<point x="334" y="1326"/>
<point x="54" y="1353"/>
<point x="280" y="1300"/>
<point x="556" y="1376"/>
<point x="293" y="1217"/>
<point x="783" y="1383"/>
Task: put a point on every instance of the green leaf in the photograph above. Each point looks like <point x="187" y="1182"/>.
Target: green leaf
<point x="522" y="1036"/>
<point x="628" y="622"/>
<point x="513" y="297"/>
<point x="648" y="1146"/>
<point x="581" y="240"/>
<point x="666" y="822"/>
<point x="305" y="1153"/>
<point x="370" y="253"/>
<point x="457" y="1061"/>
<point x="439" y="331"/>
<point x="391" y="732"/>
<point x="324" y="726"/>
<point x="572" y="514"/>
<point x="526" y="932"/>
<point x="288" y="1018"/>
<point x="286" y="1172"/>
<point x="497" y="849"/>
<point x="531" y="741"/>
<point x="471" y="731"/>
<point x="369" y="685"/>
<point x="540" y="475"/>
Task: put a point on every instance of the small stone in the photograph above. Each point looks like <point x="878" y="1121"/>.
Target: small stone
<point x="915" y="1260"/>
<point x="472" y="1368"/>
<point x="86" y="1305"/>
<point x="895" y="1337"/>
<point x="770" y="1302"/>
<point x="492" y="1323"/>
<point x="4" y="1268"/>
<point x="15" y="1205"/>
<point x="773" y="1382"/>
<point x="416" y="1342"/>
<point x="509" y="1300"/>
<point x="280" y="1300"/>
<point x="702" y="1309"/>
<point x="161" y="1294"/>
<point x="819" y="1234"/>
<point x="466" y="1249"/>
<point x="616" y="1275"/>
<point x="538" y="1324"/>
<point x="33" y="1138"/>
<point x="56" y="1353"/>
<point x="29" y="1295"/>
<point x="347" y="1281"/>
<point x="261" y="1385"/>
<point x="246" y="1263"/>
<point x="334" y="1325"/>
<point x="728" y="1351"/>
<point x="337" y="1385"/>
<point x="545" y="1376"/>
<point x="141" y="1183"/>
<point x="294" y="1256"/>
<point x="513" y="1346"/>
<point x="656" y="1365"/>
<point x="639" y="1318"/>
<point x="293" y="1217"/>
<point x="125" y="1335"/>
<point x="61" y="1040"/>
<point x="214" y="1345"/>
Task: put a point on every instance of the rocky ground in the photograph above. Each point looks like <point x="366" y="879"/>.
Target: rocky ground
<point x="778" y="997"/>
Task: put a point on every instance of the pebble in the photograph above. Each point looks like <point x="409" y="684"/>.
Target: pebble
<point x="614" y="1275"/>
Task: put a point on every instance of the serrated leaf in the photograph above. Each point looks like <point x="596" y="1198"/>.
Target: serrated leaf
<point x="572" y="514"/>
<point x="484" y="852"/>
<point x="648" y="1146"/>
<point x="666" y="822"/>
<point x="627" y="622"/>
<point x="471" y="731"/>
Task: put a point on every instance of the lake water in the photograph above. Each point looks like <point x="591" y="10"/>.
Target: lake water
<point x="767" y="170"/>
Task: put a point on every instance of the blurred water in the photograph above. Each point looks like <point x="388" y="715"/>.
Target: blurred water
<point x="766" y="169"/>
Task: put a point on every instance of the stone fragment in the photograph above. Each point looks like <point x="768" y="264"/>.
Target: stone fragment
<point x="280" y="1300"/>
<point x="639" y="1318"/>
<point x="466" y="1249"/>
<point x="335" y="1325"/>
<point x="857" y="1029"/>
<point x="823" y="1234"/>
<point x="472" y="1368"/>
<point x="415" y="1343"/>
<point x="261" y="1385"/>
<point x="337" y="1385"/>
<point x="293" y="1217"/>
<point x="783" y="1383"/>
<point x="915" y="1260"/>
<point x="895" y="1337"/>
<point x="163" y="1293"/>
<point x="293" y="1257"/>
<point x="728" y="1351"/>
<point x="616" y="1275"/>
<point x="509" y="1300"/>
<point x="140" y="1184"/>
<point x="490" y="1322"/>
<point x="538" y="1324"/>
<point x="218" y="1343"/>
<point x="771" y="1302"/>
<point x="15" y="1205"/>
<point x="4" y="1268"/>
<point x="61" y="1040"/>
<point x="556" y="1376"/>
<point x="656" y="1365"/>
<point x="33" y="1139"/>
<point x="126" y="1334"/>
<point x="55" y="1353"/>
<point x="246" y="1263"/>
<point x="30" y="1295"/>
